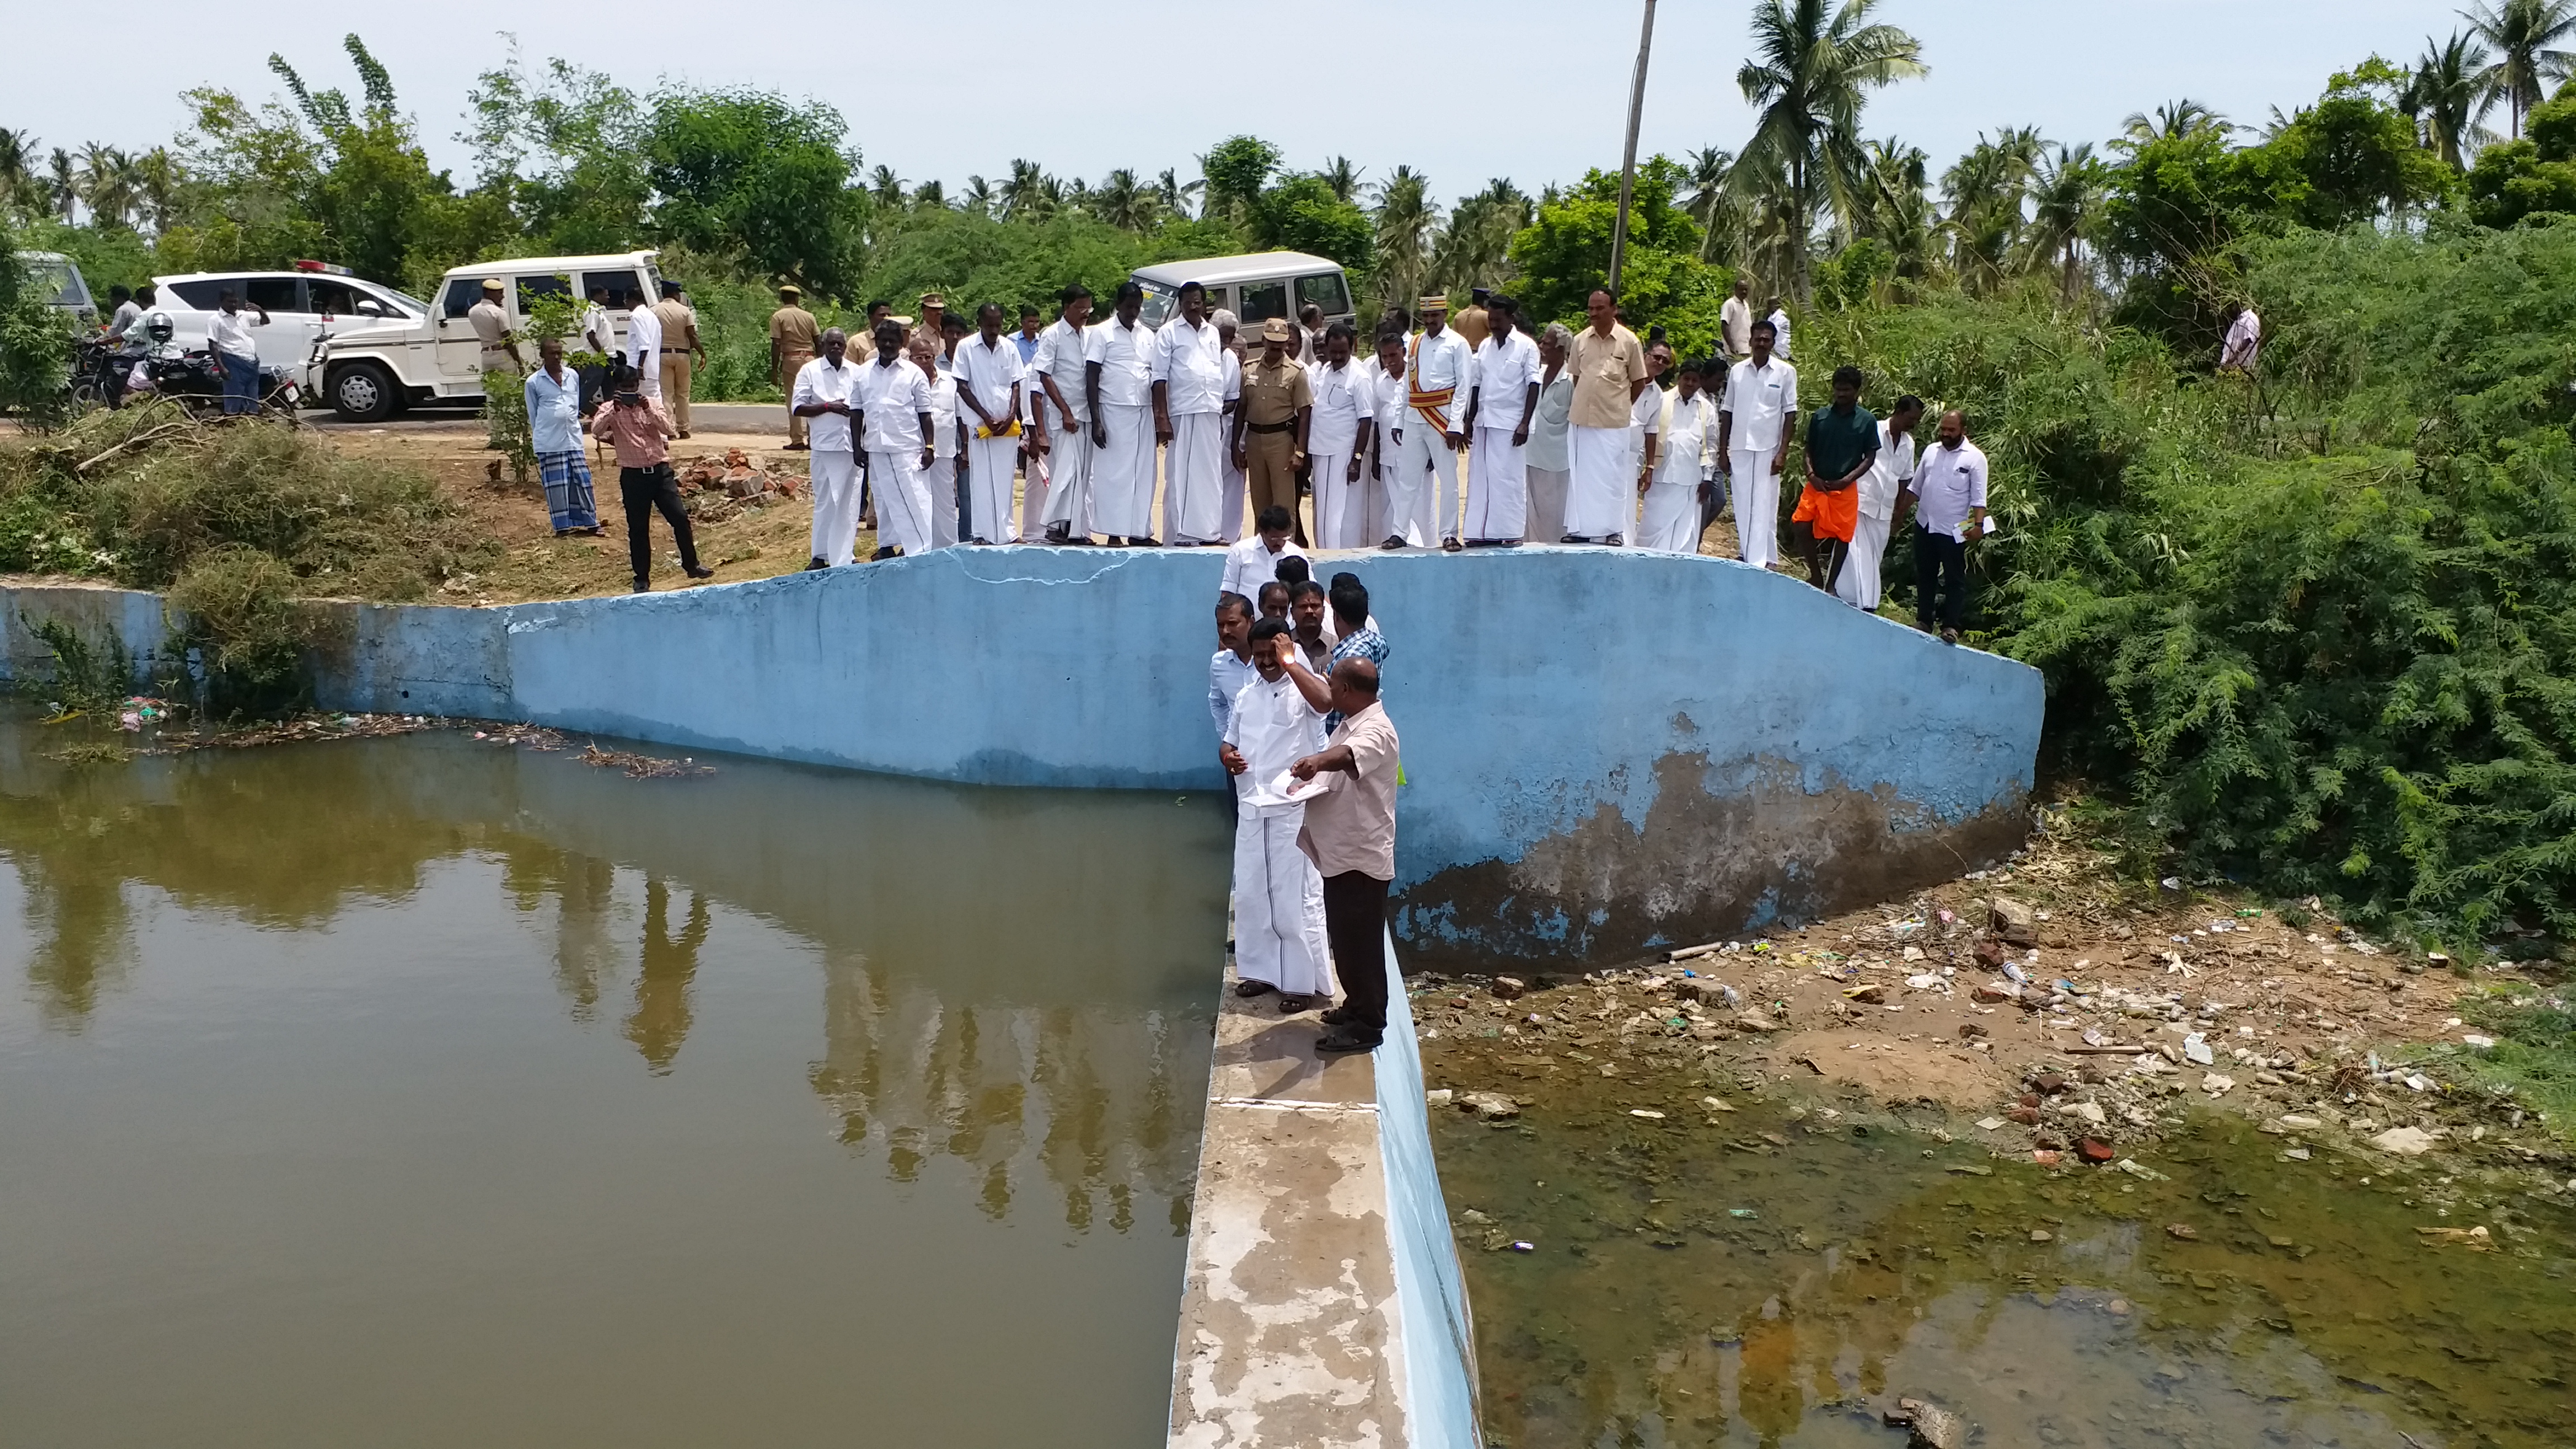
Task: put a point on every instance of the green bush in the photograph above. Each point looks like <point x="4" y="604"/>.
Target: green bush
<point x="235" y="606"/>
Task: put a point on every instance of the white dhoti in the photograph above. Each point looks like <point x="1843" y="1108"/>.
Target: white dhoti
<point x="1193" y="476"/>
<point x="1497" y="487"/>
<point x="1068" y="470"/>
<point x="1858" y="585"/>
<point x="1546" y="488"/>
<point x="1122" y="472"/>
<point x="1278" y="905"/>
<point x="1229" y="522"/>
<point x="1602" y="483"/>
<point x="1424" y="464"/>
<point x="1341" y="506"/>
<point x="989" y="464"/>
<point x="1672" y="515"/>
<point x="1033" y="487"/>
<point x="1757" y="505"/>
<point x="836" y="506"/>
<point x="939" y="485"/>
<point x="903" y="503"/>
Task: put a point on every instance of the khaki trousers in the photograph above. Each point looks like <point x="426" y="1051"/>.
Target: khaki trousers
<point x="675" y="388"/>
<point x="789" y="364"/>
<point x="1269" y="467"/>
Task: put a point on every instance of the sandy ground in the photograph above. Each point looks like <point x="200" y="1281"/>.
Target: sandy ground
<point x="2090" y="1029"/>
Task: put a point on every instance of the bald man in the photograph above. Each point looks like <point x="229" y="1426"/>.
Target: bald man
<point x="1348" y="789"/>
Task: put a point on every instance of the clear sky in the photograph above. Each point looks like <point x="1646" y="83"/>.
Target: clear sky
<point x="1464" y="90"/>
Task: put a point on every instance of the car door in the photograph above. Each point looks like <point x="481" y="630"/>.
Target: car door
<point x="460" y="352"/>
<point x="287" y="339"/>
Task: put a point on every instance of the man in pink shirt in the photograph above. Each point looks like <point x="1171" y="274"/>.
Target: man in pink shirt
<point x="642" y="433"/>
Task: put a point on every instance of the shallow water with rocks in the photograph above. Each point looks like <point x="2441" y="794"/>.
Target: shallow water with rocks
<point x="1668" y="1259"/>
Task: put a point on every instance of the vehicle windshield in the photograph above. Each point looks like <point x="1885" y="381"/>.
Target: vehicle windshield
<point x="1160" y="303"/>
<point x="59" y="279"/>
<point x="410" y="303"/>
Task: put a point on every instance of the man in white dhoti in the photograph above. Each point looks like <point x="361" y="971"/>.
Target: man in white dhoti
<point x="1061" y="414"/>
<point x="1337" y="443"/>
<point x="1230" y="478"/>
<point x="941" y="482"/>
<point x="1439" y="374"/>
<point x="1279" y="942"/>
<point x="821" y="395"/>
<point x="1686" y="439"/>
<point x="1609" y="372"/>
<point x="891" y="405"/>
<point x="1646" y="415"/>
<point x="1388" y="389"/>
<point x="1189" y="418"/>
<point x="1118" y="387"/>
<point x="1891" y="472"/>
<point x="1549" y="466"/>
<point x="1752" y="422"/>
<point x="989" y="373"/>
<point x="1500" y="409"/>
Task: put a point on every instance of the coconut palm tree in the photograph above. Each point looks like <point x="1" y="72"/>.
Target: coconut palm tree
<point x="1024" y="196"/>
<point x="1986" y="190"/>
<point x="19" y="185"/>
<point x="929" y="196"/>
<point x="2445" y="97"/>
<point x="1895" y="207"/>
<point x="1405" y="220"/>
<point x="2171" y="122"/>
<point x="157" y="176"/>
<point x="62" y="183"/>
<point x="1811" y="73"/>
<point x="1474" y="249"/>
<point x="2523" y="33"/>
<point x="1124" y="202"/>
<point x="977" y="199"/>
<point x="1173" y="194"/>
<point x="1342" y="177"/>
<point x="2066" y="204"/>
<point x="1718" y="211"/>
<point x="888" y="189"/>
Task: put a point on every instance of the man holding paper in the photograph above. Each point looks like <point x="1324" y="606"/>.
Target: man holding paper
<point x="1949" y="498"/>
<point x="1278" y="896"/>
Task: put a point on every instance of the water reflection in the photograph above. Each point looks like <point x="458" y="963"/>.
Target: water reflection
<point x="1054" y="1036"/>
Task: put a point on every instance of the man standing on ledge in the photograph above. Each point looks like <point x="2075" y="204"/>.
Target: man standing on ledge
<point x="1189" y="405"/>
<point x="1949" y="500"/>
<point x="1118" y="387"/>
<point x="1753" y="416"/>
<point x="1350" y="835"/>
<point x="1440" y="375"/>
<point x="1609" y="372"/>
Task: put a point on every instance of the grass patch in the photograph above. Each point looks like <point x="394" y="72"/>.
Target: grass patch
<point x="2535" y="1049"/>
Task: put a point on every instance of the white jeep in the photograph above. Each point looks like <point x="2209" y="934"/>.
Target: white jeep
<point x="367" y="369"/>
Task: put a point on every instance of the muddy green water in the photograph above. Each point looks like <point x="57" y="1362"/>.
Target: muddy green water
<point x="1697" y="1284"/>
<point x="420" y="1092"/>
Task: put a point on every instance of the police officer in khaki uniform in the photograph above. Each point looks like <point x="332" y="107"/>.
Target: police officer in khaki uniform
<point x="680" y="349"/>
<point x="934" y="308"/>
<point x="1278" y="403"/>
<point x="793" y="334"/>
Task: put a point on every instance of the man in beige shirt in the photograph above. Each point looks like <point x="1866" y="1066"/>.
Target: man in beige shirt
<point x="1609" y="371"/>
<point x="793" y="336"/>
<point x="1349" y="793"/>
<point x="680" y="349"/>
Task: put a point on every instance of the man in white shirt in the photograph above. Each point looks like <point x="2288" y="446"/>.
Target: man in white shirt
<point x="1255" y="561"/>
<point x="1337" y="442"/>
<point x="821" y="396"/>
<point x="1752" y="422"/>
<point x="643" y="350"/>
<point x="1439" y="375"/>
<point x="1890" y="473"/>
<point x="1686" y="439"/>
<point x="1279" y="942"/>
<point x="940" y="482"/>
<point x="1387" y="388"/>
<point x="228" y="333"/>
<point x="988" y="397"/>
<point x="1062" y="415"/>
<point x="891" y="401"/>
<point x="1948" y="497"/>
<point x="1735" y="323"/>
<point x="1230" y="668"/>
<point x="1118" y="388"/>
<point x="2244" y="340"/>
<point x="1779" y="320"/>
<point x="1189" y="362"/>
<point x="1230" y="480"/>
<point x="1500" y="408"/>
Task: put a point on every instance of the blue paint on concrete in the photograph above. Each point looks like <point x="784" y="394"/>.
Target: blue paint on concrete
<point x="1440" y="1395"/>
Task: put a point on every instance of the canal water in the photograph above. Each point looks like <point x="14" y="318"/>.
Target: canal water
<point x="420" y="1091"/>
<point x="1778" y="1274"/>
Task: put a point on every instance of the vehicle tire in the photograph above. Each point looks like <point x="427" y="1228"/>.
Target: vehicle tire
<point x="362" y="392"/>
<point x="87" y="397"/>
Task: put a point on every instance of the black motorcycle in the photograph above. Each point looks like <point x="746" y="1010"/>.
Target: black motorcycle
<point x="194" y="379"/>
<point x="99" y="369"/>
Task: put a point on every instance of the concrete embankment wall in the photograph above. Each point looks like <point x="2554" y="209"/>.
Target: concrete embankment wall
<point x="1604" y="751"/>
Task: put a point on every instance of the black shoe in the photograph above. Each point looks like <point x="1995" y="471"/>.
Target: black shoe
<point x="1949" y="636"/>
<point x="1349" y="1039"/>
<point x="881" y="555"/>
<point x="1394" y="541"/>
<point x="1450" y="545"/>
<point x="1253" y="988"/>
<point x="1059" y="533"/>
<point x="699" y="571"/>
<point x="981" y="542"/>
<point x="1615" y="540"/>
<point x="812" y="564"/>
<point x="642" y="586"/>
<point x="1291" y="1005"/>
<point x="1574" y="538"/>
<point x="797" y="448"/>
<point x="1138" y="540"/>
<point x="1334" y="1015"/>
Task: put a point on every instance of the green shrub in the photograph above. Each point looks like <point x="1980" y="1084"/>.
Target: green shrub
<point x="236" y="607"/>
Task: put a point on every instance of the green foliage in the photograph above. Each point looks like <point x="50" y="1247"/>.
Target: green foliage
<point x="1855" y="274"/>
<point x="1302" y="214"/>
<point x="82" y="677"/>
<point x="749" y="176"/>
<point x="236" y="607"/>
<point x="1237" y="169"/>
<point x="1565" y="253"/>
<point x="35" y="343"/>
<point x="2534" y="1057"/>
<point x="2532" y="176"/>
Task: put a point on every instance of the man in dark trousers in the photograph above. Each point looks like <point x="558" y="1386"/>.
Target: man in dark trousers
<point x="642" y="433"/>
<point x="1349" y="793"/>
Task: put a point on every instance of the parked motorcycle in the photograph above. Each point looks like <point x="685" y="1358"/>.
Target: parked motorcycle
<point x="194" y="379"/>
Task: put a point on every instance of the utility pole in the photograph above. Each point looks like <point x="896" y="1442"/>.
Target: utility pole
<point x="1628" y="159"/>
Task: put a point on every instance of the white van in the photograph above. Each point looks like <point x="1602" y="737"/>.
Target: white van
<point x="301" y="305"/>
<point x="364" y="372"/>
<point x="1254" y="288"/>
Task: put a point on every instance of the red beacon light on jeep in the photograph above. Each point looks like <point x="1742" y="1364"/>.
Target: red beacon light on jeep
<point x="307" y="264"/>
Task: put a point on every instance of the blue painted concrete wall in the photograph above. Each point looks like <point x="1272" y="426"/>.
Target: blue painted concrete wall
<point x="1440" y="1388"/>
<point x="1604" y="750"/>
